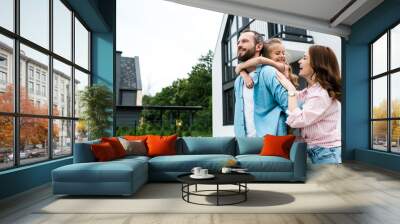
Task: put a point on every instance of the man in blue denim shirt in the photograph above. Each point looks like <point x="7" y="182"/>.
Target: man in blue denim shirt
<point x="260" y="110"/>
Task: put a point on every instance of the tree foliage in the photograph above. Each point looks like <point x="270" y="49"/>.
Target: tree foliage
<point x="192" y="91"/>
<point x="96" y="102"/>
<point x="33" y="130"/>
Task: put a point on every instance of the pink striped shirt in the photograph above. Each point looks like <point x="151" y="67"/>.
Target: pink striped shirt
<point x="318" y="119"/>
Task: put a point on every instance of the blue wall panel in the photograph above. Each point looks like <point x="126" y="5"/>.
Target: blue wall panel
<point x="357" y="84"/>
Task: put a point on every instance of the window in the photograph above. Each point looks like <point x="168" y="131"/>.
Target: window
<point x="53" y="128"/>
<point x="385" y="97"/>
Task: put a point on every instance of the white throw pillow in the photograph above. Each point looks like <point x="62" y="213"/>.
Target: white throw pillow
<point x="135" y="147"/>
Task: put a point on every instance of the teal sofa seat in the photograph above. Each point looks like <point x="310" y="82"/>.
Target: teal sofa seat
<point x="167" y="168"/>
<point x="125" y="176"/>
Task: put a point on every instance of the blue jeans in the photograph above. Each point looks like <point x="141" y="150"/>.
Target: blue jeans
<point x="321" y="155"/>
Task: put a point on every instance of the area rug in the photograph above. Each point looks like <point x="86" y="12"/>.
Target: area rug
<point x="167" y="198"/>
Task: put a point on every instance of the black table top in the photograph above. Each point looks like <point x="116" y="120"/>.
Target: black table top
<point x="220" y="178"/>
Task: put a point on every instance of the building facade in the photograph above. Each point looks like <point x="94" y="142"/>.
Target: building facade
<point x="295" y="40"/>
<point x="128" y="90"/>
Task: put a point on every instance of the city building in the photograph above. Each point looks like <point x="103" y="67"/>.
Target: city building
<point x="128" y="90"/>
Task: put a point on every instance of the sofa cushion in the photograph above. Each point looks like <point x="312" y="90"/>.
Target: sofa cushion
<point x="249" y="145"/>
<point x="116" y="145"/>
<point x="134" y="147"/>
<point x="112" y="171"/>
<point x="257" y="163"/>
<point x="83" y="152"/>
<point x="161" y="145"/>
<point x="277" y="145"/>
<point x="103" y="152"/>
<point x="207" y="145"/>
<point x="185" y="163"/>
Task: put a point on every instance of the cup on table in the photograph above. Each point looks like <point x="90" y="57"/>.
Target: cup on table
<point x="203" y="172"/>
<point x="226" y="170"/>
<point x="196" y="171"/>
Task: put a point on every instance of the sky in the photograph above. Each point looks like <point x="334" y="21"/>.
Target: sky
<point x="169" y="38"/>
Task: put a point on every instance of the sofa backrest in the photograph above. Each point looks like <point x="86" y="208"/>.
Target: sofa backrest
<point x="247" y="145"/>
<point x="206" y="145"/>
<point x="83" y="152"/>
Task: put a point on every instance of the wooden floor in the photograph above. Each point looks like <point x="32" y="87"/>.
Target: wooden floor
<point x="377" y="188"/>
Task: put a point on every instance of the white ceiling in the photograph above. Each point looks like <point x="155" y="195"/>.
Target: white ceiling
<point x="317" y="15"/>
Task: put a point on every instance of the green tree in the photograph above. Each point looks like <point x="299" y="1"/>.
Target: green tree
<point x="192" y="91"/>
<point x="96" y="102"/>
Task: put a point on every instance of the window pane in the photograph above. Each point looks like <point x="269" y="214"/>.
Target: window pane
<point x="33" y="139"/>
<point x="379" y="135"/>
<point x="81" y="81"/>
<point x="379" y="98"/>
<point x="62" y="29"/>
<point x="395" y="94"/>
<point x="62" y="138"/>
<point x="81" y="131"/>
<point x="395" y="138"/>
<point x="81" y="45"/>
<point x="395" y="47"/>
<point x="234" y="46"/>
<point x="6" y="74"/>
<point x="62" y="89"/>
<point x="35" y="21"/>
<point x="6" y="142"/>
<point x="34" y="72"/>
<point x="379" y="55"/>
<point x="7" y="14"/>
<point x="234" y="25"/>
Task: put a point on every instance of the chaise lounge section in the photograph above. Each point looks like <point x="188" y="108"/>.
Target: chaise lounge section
<point x="125" y="176"/>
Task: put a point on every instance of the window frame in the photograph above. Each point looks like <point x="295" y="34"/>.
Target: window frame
<point x="16" y="115"/>
<point x="388" y="73"/>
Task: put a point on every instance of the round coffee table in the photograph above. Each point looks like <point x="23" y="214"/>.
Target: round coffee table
<point x="238" y="179"/>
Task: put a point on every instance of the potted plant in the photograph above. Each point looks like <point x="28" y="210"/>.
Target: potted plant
<point x="96" y="103"/>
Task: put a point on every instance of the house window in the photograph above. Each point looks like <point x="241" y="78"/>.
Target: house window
<point x="385" y="97"/>
<point x="30" y="87"/>
<point x="3" y="78"/>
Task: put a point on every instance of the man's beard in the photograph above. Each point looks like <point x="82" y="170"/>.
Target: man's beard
<point x="247" y="55"/>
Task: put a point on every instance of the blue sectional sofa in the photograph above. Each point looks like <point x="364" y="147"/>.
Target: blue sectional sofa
<point x="125" y="176"/>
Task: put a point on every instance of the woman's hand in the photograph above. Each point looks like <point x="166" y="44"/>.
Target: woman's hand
<point x="285" y="81"/>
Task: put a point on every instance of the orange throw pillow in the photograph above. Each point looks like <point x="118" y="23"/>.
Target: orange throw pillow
<point x="135" y="137"/>
<point x="103" y="152"/>
<point x="116" y="145"/>
<point x="161" y="145"/>
<point x="277" y="145"/>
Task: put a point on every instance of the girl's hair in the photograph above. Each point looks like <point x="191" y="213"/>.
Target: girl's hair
<point x="326" y="68"/>
<point x="266" y="52"/>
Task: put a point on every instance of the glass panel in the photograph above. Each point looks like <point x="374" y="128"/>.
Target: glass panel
<point x="33" y="139"/>
<point x="81" y="45"/>
<point x="34" y="72"/>
<point x="7" y="14"/>
<point x="62" y="29"/>
<point x="395" y="95"/>
<point x="81" y="131"/>
<point x="379" y="55"/>
<point x="234" y="46"/>
<point x="234" y="26"/>
<point x="81" y="81"/>
<point x="395" y="138"/>
<point x="379" y="135"/>
<point x="6" y="142"/>
<point x="395" y="47"/>
<point x="62" y="89"/>
<point x="62" y="138"/>
<point x="379" y="98"/>
<point x="6" y="74"/>
<point x="35" y="21"/>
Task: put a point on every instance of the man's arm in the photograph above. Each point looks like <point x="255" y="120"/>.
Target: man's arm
<point x="278" y="92"/>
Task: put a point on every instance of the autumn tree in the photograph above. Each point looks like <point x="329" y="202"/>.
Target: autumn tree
<point x="33" y="130"/>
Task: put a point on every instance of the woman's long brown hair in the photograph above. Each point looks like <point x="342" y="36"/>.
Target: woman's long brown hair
<point x="326" y="67"/>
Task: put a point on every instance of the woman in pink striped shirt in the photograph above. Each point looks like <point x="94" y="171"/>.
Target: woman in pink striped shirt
<point x="319" y="113"/>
